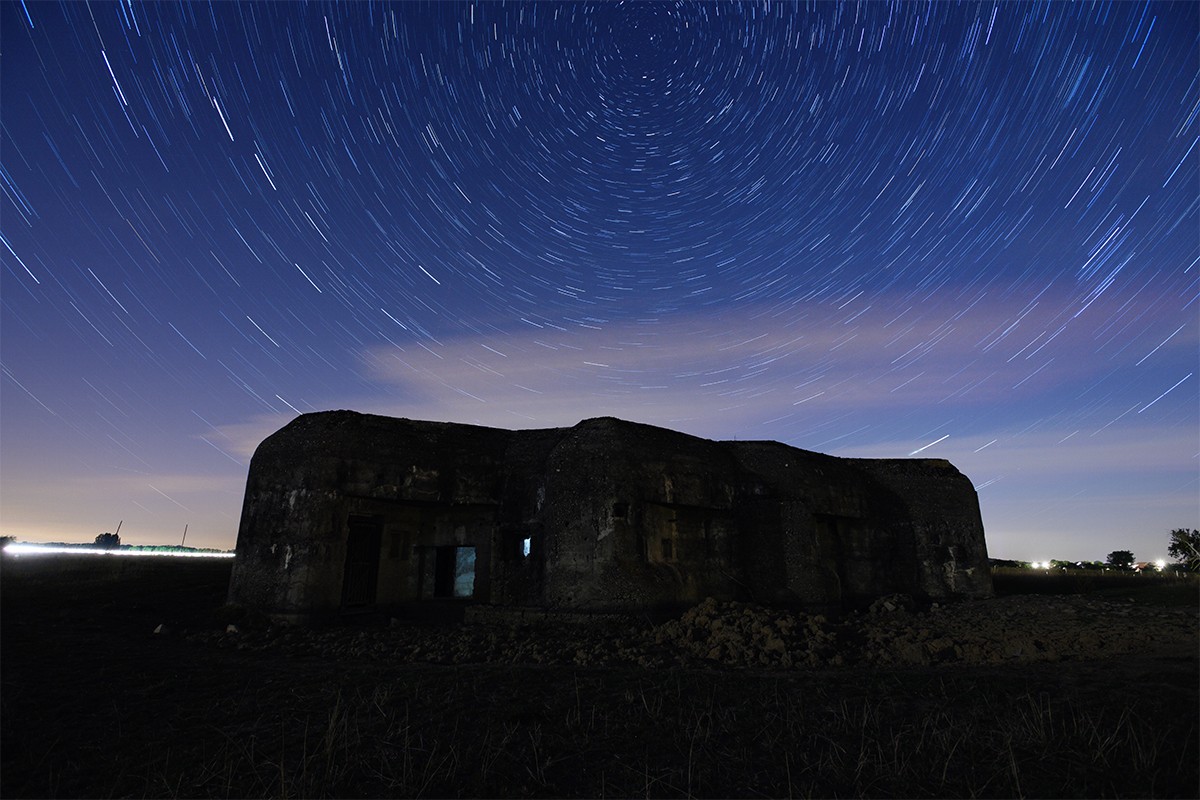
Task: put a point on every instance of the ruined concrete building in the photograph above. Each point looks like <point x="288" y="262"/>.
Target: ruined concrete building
<point x="347" y="511"/>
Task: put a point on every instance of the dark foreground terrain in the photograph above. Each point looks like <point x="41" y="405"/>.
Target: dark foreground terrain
<point x="1040" y="695"/>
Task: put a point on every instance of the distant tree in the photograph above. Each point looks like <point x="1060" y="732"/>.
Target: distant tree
<point x="1120" y="559"/>
<point x="5" y="541"/>
<point x="1185" y="548"/>
<point x="109" y="541"/>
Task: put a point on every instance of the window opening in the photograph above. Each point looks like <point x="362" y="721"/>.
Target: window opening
<point x="526" y="546"/>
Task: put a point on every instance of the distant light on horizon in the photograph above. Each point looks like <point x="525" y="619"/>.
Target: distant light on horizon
<point x="25" y="549"/>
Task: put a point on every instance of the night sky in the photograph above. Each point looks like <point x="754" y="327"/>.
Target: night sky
<point x="956" y="231"/>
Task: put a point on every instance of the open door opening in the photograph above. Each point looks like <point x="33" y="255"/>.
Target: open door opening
<point x="361" y="578"/>
<point x="454" y="572"/>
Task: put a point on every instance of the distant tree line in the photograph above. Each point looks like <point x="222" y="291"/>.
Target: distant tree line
<point x="171" y="548"/>
<point x="1183" y="548"/>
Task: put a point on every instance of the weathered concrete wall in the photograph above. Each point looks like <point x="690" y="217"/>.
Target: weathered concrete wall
<point x="844" y="537"/>
<point x="618" y="516"/>
<point x="425" y="484"/>
<point x="943" y="509"/>
<point x="631" y="505"/>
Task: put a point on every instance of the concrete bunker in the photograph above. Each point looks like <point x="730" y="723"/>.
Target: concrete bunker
<point x="348" y="512"/>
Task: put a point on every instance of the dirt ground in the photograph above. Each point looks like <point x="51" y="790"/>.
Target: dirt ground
<point x="1023" y="695"/>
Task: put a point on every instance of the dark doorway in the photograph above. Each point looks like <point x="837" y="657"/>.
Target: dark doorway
<point x="362" y="564"/>
<point x="454" y="572"/>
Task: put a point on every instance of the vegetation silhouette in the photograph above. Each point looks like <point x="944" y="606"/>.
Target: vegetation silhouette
<point x="109" y="541"/>
<point x="1120" y="559"/>
<point x="1185" y="548"/>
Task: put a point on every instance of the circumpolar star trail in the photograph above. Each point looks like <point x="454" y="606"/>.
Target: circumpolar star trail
<point x="858" y="228"/>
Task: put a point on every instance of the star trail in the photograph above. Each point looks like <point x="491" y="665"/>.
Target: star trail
<point x="963" y="231"/>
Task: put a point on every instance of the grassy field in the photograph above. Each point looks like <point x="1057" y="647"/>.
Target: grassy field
<point x="94" y="704"/>
<point x="1166" y="589"/>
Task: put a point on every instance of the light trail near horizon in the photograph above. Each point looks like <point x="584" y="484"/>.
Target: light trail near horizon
<point x="29" y="549"/>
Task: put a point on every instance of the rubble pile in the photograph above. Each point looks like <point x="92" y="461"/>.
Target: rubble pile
<point x="1023" y="628"/>
<point x="739" y="634"/>
<point x="894" y="631"/>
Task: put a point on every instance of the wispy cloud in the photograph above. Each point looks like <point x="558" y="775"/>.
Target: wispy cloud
<point x="755" y="366"/>
<point x="993" y="388"/>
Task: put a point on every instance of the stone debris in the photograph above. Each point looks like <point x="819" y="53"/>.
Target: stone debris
<point x="1025" y="628"/>
<point x="738" y="634"/>
<point x="893" y="602"/>
<point x="894" y="632"/>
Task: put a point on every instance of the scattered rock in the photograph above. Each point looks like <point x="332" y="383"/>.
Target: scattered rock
<point x="891" y="603"/>
<point x="893" y="632"/>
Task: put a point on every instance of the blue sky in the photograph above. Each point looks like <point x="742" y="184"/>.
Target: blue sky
<point x="961" y="231"/>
